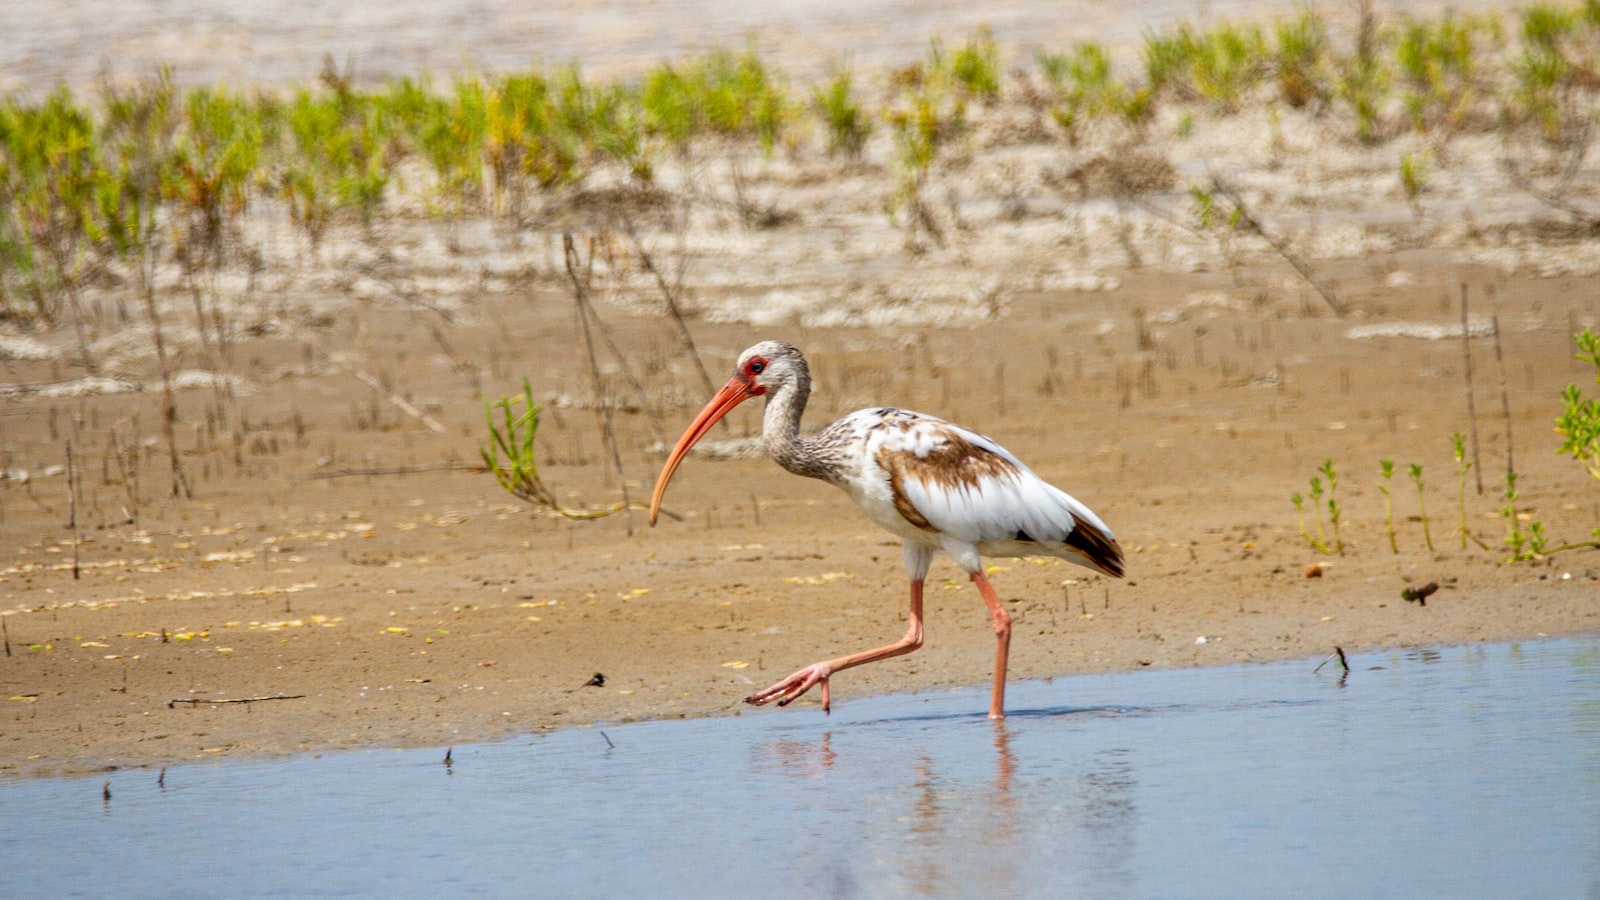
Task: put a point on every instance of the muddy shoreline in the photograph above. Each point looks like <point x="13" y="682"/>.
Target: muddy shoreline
<point x="346" y="566"/>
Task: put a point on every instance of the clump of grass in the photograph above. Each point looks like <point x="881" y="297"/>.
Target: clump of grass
<point x="1363" y="76"/>
<point x="1440" y="70"/>
<point x="509" y="455"/>
<point x="216" y="162"/>
<point x="1299" y="60"/>
<point x="721" y="94"/>
<point x="1554" y="69"/>
<point x="1085" y="88"/>
<point x="848" y="124"/>
<point x="1219" y="67"/>
<point x="974" y="67"/>
<point x="51" y="174"/>
<point x="337" y="164"/>
<point x="928" y="113"/>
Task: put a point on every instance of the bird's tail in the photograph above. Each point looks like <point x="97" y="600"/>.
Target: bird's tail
<point x="1096" y="545"/>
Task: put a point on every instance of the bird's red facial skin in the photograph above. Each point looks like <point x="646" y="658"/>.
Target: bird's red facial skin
<point x="736" y="391"/>
<point x="753" y="368"/>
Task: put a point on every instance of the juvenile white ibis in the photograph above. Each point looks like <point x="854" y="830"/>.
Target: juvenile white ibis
<point x="936" y="485"/>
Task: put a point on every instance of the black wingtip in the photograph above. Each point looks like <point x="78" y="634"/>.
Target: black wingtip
<point x="1098" y="548"/>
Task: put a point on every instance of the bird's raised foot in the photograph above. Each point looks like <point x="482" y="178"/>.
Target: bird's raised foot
<point x="789" y="689"/>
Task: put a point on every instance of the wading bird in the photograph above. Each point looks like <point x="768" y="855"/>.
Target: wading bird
<point x="935" y="485"/>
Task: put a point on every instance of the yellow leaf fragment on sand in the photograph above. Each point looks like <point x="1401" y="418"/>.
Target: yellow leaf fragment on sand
<point x="536" y="604"/>
<point x="736" y="664"/>
<point x="624" y="692"/>
<point x="224" y="649"/>
<point x="824" y="578"/>
<point x="396" y="629"/>
<point x="26" y="698"/>
<point x="93" y="644"/>
<point x="533" y="619"/>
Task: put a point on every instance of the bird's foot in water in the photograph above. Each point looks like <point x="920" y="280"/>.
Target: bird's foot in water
<point x="787" y="690"/>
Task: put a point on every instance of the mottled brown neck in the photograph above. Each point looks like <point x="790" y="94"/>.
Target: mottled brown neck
<point x="780" y="431"/>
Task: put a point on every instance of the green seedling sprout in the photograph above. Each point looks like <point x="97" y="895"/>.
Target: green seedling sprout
<point x="1300" y="507"/>
<point x="1386" y="469"/>
<point x="509" y="455"/>
<point x="1579" y="423"/>
<point x="1516" y="539"/>
<point x="1422" y="506"/>
<point x="1458" y="447"/>
<point x="1415" y="170"/>
<point x="1530" y="544"/>
<point x="1334" y="509"/>
<point x="1319" y="541"/>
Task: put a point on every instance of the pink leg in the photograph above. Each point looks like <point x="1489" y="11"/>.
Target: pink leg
<point x="792" y="687"/>
<point x="1002" y="648"/>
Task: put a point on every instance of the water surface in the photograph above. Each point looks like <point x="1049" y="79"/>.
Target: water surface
<point x="1466" y="771"/>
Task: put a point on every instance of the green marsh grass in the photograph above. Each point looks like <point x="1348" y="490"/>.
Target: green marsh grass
<point x="848" y="124"/>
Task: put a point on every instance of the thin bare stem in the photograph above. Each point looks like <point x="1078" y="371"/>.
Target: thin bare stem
<point x="1472" y="412"/>
<point x="1505" y="402"/>
<point x="580" y="293"/>
<point x="669" y="294"/>
<point x="1249" y="221"/>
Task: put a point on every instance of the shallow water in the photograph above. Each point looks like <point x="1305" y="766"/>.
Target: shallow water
<point x="1470" y="771"/>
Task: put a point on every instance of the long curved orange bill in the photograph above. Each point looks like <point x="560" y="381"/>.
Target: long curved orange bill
<point x="735" y="392"/>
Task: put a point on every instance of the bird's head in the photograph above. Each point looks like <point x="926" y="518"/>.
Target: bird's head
<point x="768" y="365"/>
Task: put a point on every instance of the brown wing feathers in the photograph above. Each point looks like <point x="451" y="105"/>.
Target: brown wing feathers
<point x="1100" y="548"/>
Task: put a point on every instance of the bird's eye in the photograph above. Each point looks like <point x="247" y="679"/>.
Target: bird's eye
<point x="757" y="366"/>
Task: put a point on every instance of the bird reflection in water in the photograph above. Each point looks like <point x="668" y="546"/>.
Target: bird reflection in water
<point x="797" y="759"/>
<point x="957" y="807"/>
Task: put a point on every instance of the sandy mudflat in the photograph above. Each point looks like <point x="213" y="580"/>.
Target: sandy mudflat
<point x="342" y="552"/>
